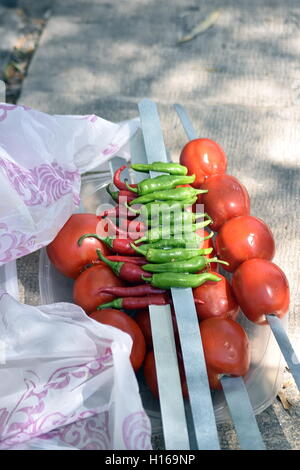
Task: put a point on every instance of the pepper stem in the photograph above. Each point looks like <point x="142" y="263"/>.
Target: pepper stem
<point x="201" y="191"/>
<point x="115" y="266"/>
<point x="131" y="209"/>
<point x="117" y="303"/>
<point x="138" y="249"/>
<point x="141" y="240"/>
<point x="203" y="224"/>
<point x="89" y="235"/>
<point x="134" y="190"/>
<point x="217" y="260"/>
<point x="207" y="237"/>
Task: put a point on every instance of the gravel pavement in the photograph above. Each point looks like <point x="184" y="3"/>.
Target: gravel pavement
<point x="239" y="80"/>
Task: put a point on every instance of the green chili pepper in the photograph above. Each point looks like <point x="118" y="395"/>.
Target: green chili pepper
<point x="191" y="240"/>
<point x="172" y="218"/>
<point x="177" y="194"/>
<point x="192" y="265"/>
<point x="159" y="232"/>
<point x="173" y="242"/>
<point x="150" y="185"/>
<point x="179" y="218"/>
<point x="162" y="207"/>
<point x="155" y="255"/>
<point x="168" y="280"/>
<point x="161" y="167"/>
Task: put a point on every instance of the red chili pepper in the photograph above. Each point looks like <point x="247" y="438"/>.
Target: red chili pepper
<point x="127" y="271"/>
<point x="106" y="227"/>
<point x="133" y="225"/>
<point x="125" y="196"/>
<point x="121" y="196"/>
<point x="134" y="235"/>
<point x="140" y="260"/>
<point x="118" y="245"/>
<point x="135" y="291"/>
<point x="135" y="303"/>
<point x="117" y="212"/>
<point x="117" y="179"/>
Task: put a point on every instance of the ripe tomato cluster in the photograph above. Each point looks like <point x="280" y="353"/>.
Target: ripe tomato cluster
<point x="107" y="270"/>
<point x="259" y="287"/>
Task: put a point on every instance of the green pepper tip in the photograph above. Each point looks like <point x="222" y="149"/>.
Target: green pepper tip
<point x="134" y="190"/>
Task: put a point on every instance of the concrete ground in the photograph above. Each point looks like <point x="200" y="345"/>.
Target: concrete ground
<point x="239" y="80"/>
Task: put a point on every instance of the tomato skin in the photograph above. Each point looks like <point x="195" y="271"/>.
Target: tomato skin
<point x="243" y="238"/>
<point x="64" y="252"/>
<point x="226" y="349"/>
<point x="226" y="198"/>
<point x="218" y="298"/>
<point x="261" y="287"/>
<point x="143" y="320"/>
<point x="203" y="157"/>
<point x="151" y="377"/>
<point x="87" y="284"/>
<point x="124" y="322"/>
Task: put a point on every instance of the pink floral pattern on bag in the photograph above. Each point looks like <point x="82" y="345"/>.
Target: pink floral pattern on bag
<point x="137" y="431"/>
<point x="28" y="418"/>
<point x="41" y="185"/>
<point x="91" y="432"/>
<point x="14" y="244"/>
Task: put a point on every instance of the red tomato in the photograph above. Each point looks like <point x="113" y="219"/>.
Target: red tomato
<point x="226" y="198"/>
<point x="151" y="377"/>
<point x="226" y="349"/>
<point x="125" y="323"/>
<point x="203" y="157"/>
<point x="218" y="298"/>
<point x="64" y="252"/>
<point x="87" y="285"/>
<point x="143" y="320"/>
<point x="261" y="288"/>
<point x="243" y="238"/>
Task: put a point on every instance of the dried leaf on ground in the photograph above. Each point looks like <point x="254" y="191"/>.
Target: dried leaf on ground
<point x="284" y="401"/>
<point x="201" y="27"/>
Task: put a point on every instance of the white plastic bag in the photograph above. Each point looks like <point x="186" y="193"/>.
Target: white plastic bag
<point x="41" y="159"/>
<point x="66" y="381"/>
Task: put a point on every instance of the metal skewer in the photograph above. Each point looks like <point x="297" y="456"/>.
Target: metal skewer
<point x="241" y="412"/>
<point x="285" y="347"/>
<point x="170" y="394"/>
<point x="186" y="316"/>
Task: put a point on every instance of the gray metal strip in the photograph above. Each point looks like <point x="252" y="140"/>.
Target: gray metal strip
<point x="168" y="378"/>
<point x="242" y="413"/>
<point x="185" y="121"/>
<point x="285" y="347"/>
<point x="191" y="344"/>
<point x="195" y="370"/>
